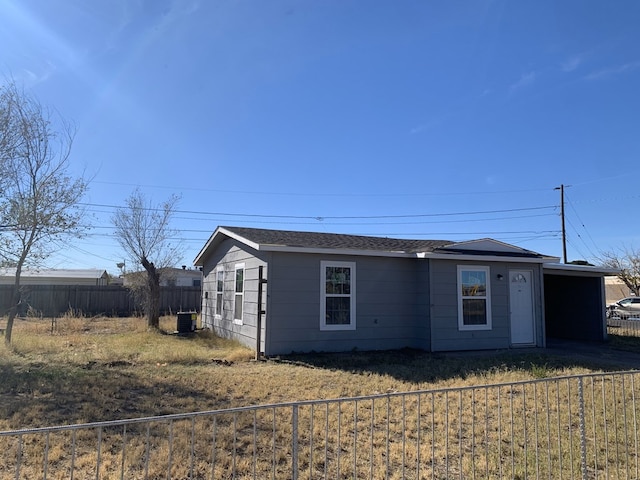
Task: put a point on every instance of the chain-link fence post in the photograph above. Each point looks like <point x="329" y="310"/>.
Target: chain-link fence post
<point x="583" y="434"/>
<point x="294" y="442"/>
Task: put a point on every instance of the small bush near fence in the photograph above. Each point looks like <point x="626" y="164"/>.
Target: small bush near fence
<point x="55" y="300"/>
<point x="572" y="427"/>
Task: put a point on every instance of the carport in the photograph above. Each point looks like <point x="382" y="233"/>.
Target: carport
<point x="574" y="302"/>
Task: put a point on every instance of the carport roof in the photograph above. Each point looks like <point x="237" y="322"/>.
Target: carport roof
<point x="567" y="268"/>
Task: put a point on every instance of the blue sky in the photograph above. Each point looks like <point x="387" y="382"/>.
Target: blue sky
<point x="413" y="119"/>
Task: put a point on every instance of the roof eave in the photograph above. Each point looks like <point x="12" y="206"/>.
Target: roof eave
<point x="563" y="267"/>
<point x="488" y="257"/>
<point x="199" y="260"/>
<point x="222" y="231"/>
<point x="335" y="251"/>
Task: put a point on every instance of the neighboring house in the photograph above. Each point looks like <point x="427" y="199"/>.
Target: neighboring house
<point x="334" y="292"/>
<point x="181" y="277"/>
<point x="616" y="289"/>
<point x="169" y="277"/>
<point x="55" y="276"/>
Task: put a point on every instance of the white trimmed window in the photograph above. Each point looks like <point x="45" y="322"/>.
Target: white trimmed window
<point x="474" y="298"/>
<point x="337" y="295"/>
<point x="238" y="305"/>
<point x="219" y="290"/>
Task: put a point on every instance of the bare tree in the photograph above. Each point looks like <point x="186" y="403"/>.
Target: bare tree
<point x="39" y="199"/>
<point x="627" y="261"/>
<point x="144" y="232"/>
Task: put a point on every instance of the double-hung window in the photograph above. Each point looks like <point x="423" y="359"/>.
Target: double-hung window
<point x="474" y="298"/>
<point x="239" y="294"/>
<point x="219" y="290"/>
<point x="337" y="295"/>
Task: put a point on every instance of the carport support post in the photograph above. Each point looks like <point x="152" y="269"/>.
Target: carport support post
<point x="261" y="312"/>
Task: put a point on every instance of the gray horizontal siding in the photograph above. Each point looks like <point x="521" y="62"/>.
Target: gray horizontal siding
<point x="228" y="254"/>
<point x="399" y="303"/>
<point x="391" y="305"/>
<point x="445" y="334"/>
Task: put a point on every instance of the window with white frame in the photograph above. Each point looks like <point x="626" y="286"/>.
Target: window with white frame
<point x="337" y="295"/>
<point x="219" y="291"/>
<point x="239" y="294"/>
<point x="474" y="298"/>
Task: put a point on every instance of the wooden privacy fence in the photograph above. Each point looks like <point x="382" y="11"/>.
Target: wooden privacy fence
<point x="54" y="300"/>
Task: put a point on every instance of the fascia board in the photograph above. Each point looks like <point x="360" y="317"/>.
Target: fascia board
<point x="218" y="232"/>
<point x="561" y="268"/>
<point x="487" y="258"/>
<point x="196" y="261"/>
<point x="227" y="233"/>
<point x="377" y="253"/>
<point x="205" y="248"/>
<point x="335" y="251"/>
<point x="240" y="238"/>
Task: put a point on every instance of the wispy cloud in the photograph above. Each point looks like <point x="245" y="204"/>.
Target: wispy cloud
<point x="571" y="63"/>
<point x="525" y="80"/>
<point x="613" y="71"/>
<point x="32" y="77"/>
<point x="37" y="45"/>
<point x="419" y="128"/>
<point x="423" y="127"/>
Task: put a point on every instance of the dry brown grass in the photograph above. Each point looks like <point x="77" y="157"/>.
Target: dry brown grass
<point x="96" y="369"/>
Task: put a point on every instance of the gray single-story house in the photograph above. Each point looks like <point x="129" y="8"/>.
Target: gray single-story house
<point x="288" y="291"/>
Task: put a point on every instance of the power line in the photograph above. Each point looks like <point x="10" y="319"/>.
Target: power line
<point x="585" y="229"/>
<point x="581" y="239"/>
<point x="425" y="222"/>
<point x="334" y="217"/>
<point x="577" y="249"/>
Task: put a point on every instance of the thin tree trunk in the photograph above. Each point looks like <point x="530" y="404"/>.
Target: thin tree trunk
<point x="153" y="294"/>
<point x="13" y="310"/>
<point x="15" y="304"/>
<point x="153" y="313"/>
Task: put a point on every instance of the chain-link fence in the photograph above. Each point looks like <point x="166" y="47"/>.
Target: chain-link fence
<point x="571" y="427"/>
<point x="623" y="325"/>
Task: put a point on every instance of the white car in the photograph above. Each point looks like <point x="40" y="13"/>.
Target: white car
<point x="627" y="308"/>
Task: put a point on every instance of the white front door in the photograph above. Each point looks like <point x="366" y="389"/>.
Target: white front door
<point x="521" y="303"/>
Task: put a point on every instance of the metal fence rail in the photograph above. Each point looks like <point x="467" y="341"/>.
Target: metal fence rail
<point x="628" y="327"/>
<point x="560" y="428"/>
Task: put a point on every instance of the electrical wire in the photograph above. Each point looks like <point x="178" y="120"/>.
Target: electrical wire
<point x="593" y="255"/>
<point x="341" y="217"/>
<point x="583" y="226"/>
<point x="575" y="247"/>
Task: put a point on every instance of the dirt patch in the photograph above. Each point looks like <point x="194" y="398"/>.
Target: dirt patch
<point x="595" y="352"/>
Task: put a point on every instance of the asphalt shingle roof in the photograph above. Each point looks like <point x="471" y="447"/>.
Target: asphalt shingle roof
<point x="287" y="238"/>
